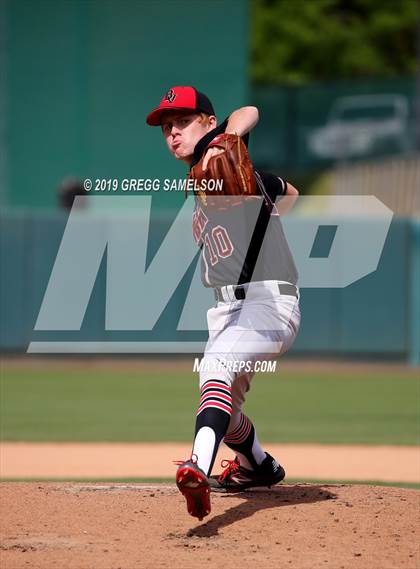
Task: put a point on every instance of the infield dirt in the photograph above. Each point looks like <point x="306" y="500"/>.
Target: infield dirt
<point x="302" y="526"/>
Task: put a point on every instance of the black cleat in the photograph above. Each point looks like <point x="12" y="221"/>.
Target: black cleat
<point x="236" y="478"/>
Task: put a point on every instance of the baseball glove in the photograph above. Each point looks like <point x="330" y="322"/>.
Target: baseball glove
<point x="232" y="168"/>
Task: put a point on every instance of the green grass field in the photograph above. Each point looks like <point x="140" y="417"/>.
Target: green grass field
<point x="143" y="406"/>
<point x="145" y="480"/>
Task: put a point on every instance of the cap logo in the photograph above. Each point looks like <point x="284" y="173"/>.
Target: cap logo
<point x="170" y="96"/>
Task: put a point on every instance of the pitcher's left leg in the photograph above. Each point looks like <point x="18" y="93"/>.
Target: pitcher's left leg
<point x="212" y="421"/>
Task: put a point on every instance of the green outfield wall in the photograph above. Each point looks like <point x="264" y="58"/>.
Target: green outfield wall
<point x="379" y="314"/>
<point x="78" y="78"/>
<point x="317" y="125"/>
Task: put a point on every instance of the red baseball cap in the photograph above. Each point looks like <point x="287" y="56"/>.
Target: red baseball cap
<point x="180" y="99"/>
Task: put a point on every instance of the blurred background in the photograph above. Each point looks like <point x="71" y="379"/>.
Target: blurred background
<point x="337" y="86"/>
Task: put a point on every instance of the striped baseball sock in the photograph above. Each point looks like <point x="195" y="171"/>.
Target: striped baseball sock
<point x="243" y="440"/>
<point x="213" y="417"/>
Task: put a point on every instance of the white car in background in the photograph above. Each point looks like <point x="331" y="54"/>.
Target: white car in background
<point x="357" y="125"/>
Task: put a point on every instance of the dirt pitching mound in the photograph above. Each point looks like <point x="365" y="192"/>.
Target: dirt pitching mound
<point x="127" y="526"/>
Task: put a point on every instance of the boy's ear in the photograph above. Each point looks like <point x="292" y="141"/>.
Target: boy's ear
<point x="212" y="121"/>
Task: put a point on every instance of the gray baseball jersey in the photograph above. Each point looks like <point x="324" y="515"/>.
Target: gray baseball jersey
<point x="246" y="242"/>
<point x="243" y="243"/>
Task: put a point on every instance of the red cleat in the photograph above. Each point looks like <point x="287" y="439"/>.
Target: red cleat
<point x="193" y="484"/>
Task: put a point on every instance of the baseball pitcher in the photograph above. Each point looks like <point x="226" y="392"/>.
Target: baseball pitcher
<point x="246" y="260"/>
